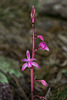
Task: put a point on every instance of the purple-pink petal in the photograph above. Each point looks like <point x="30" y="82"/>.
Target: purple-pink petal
<point x="32" y="59"/>
<point x="43" y="46"/>
<point x="35" y="64"/>
<point x="24" y="60"/>
<point x="24" y="66"/>
<point x="28" y="55"/>
<point x="47" y="48"/>
<point x="41" y="37"/>
<point x="44" y="82"/>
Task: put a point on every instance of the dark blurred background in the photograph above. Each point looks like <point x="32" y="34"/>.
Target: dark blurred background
<point x="16" y="38"/>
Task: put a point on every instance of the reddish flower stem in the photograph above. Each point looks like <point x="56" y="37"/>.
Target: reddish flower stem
<point x="32" y="79"/>
<point x="41" y="97"/>
<point x="37" y="96"/>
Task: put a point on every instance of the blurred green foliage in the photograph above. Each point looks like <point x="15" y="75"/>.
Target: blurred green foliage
<point x="9" y="66"/>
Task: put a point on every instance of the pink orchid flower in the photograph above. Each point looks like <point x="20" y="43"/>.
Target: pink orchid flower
<point x="43" y="82"/>
<point x="43" y="46"/>
<point x="40" y="37"/>
<point x="29" y="62"/>
<point x="33" y="14"/>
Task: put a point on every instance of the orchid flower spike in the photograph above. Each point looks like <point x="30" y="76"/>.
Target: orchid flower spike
<point x="43" y="46"/>
<point x="40" y="37"/>
<point x="29" y="62"/>
<point x="33" y="14"/>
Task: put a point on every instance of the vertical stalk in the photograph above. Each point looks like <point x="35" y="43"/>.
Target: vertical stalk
<point x="32" y="80"/>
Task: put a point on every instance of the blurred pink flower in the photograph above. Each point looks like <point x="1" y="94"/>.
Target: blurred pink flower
<point x="43" y="46"/>
<point x="33" y="14"/>
<point x="43" y="82"/>
<point x="29" y="62"/>
<point x="40" y="37"/>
